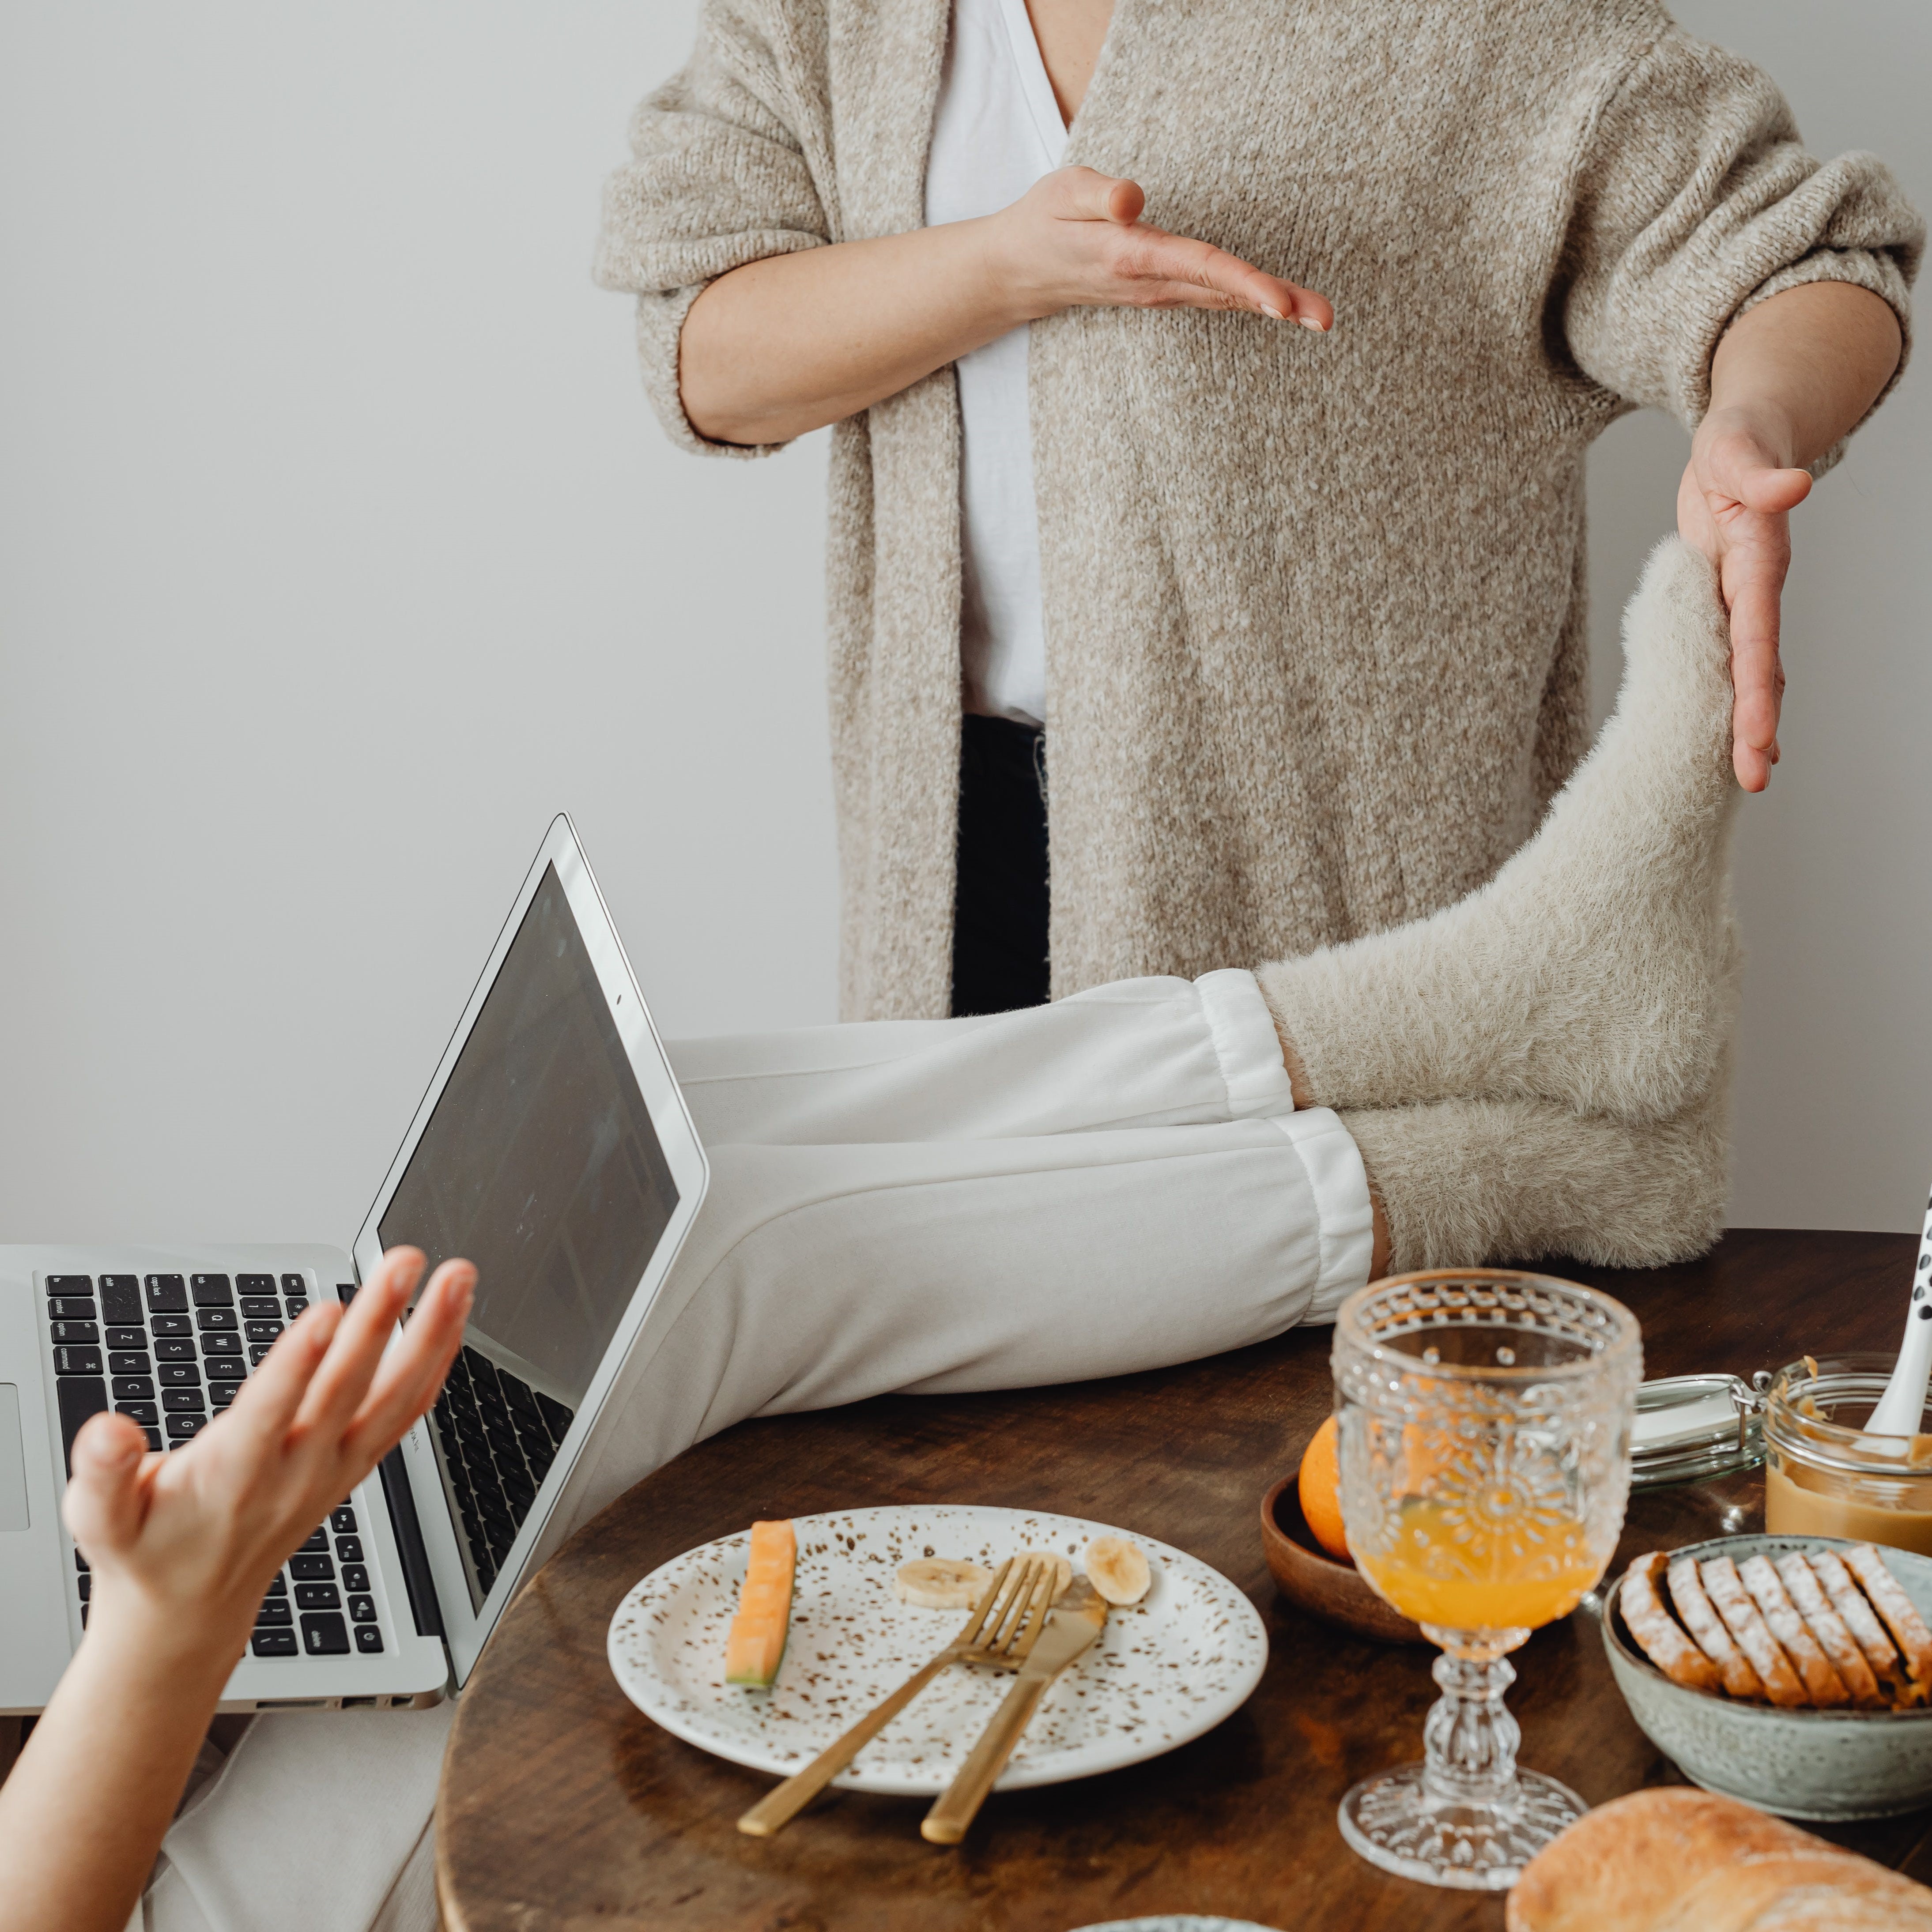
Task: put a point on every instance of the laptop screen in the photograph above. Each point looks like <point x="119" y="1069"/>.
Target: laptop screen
<point x="540" y="1165"/>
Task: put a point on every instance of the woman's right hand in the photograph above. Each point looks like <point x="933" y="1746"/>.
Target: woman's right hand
<point x="790" y="342"/>
<point x="1075" y="239"/>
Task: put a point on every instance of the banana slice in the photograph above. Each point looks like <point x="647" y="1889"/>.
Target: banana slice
<point x="1117" y="1570"/>
<point x="1063" y="1570"/>
<point x="940" y="1583"/>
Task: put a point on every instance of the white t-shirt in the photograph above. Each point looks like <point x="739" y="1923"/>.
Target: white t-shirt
<point x="997" y="131"/>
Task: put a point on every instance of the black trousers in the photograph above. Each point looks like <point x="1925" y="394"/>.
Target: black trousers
<point x="999" y="907"/>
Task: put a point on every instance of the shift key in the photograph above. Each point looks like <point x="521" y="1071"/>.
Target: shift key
<point x="80" y="1397"/>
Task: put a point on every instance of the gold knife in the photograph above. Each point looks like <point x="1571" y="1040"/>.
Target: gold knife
<point x="1073" y="1626"/>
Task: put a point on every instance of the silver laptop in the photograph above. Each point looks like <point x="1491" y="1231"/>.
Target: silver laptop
<point x="553" y="1150"/>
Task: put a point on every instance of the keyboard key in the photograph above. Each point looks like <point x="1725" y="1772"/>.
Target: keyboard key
<point x="182" y="1402"/>
<point x="220" y="1394"/>
<point x="368" y="1639"/>
<point x="80" y="1397"/>
<point x="220" y="1345"/>
<point x="178" y="1374"/>
<point x="349" y="1549"/>
<point x="355" y="1577"/>
<point x="295" y="1284"/>
<point x="180" y="1427"/>
<point x="117" y="1338"/>
<point x="265" y="1308"/>
<point x="69" y="1284"/>
<point x="86" y="1586"/>
<point x="317" y="1596"/>
<point x="205" y="1318"/>
<point x="361" y="1609"/>
<point x="256" y="1350"/>
<point x="226" y="1368"/>
<point x="296" y="1306"/>
<point x="318" y="1541"/>
<point x="133" y="1388"/>
<point x="256" y="1284"/>
<point x="256" y="1331"/>
<point x="557" y="1418"/>
<point x="518" y="1394"/>
<point x="178" y="1325"/>
<point x="176" y="1349"/>
<point x="121" y="1297"/>
<point x="211" y="1290"/>
<point x="76" y="1331"/>
<point x="153" y="1436"/>
<point x="275" y="1643"/>
<point x="145" y="1413"/>
<point x="80" y="1562"/>
<point x="128" y="1362"/>
<point x="76" y="1359"/>
<point x="274" y="1610"/>
<point x="276" y="1588"/>
<point x="311" y="1569"/>
<point x="71" y="1308"/>
<point x="342" y="1520"/>
<point x="167" y="1294"/>
<point x="325" y="1636"/>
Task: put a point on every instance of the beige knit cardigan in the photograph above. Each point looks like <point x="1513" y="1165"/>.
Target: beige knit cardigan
<point x="1314" y="605"/>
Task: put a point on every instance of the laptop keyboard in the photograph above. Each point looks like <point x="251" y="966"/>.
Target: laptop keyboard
<point x="169" y="1351"/>
<point x="499" y="1437"/>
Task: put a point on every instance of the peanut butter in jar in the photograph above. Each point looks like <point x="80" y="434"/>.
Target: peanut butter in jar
<point x="1825" y="1477"/>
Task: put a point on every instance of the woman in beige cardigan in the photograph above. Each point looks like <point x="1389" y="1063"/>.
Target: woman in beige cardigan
<point x="1312" y="600"/>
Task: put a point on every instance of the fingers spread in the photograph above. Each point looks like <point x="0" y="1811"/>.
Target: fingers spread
<point x="266" y="1404"/>
<point x="413" y="1372"/>
<point x="346" y="1371"/>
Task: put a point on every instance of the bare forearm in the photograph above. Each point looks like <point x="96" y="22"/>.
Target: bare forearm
<point x="792" y="343"/>
<point x="91" y="1797"/>
<point x="1807" y="365"/>
<point x="785" y="345"/>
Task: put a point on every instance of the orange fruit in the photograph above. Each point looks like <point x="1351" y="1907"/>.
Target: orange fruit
<point x="1321" y="1491"/>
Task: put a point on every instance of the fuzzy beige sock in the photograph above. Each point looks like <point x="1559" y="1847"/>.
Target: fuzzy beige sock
<point x="1599" y="968"/>
<point x="1463" y="1183"/>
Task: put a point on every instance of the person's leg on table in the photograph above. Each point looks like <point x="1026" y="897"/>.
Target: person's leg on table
<point x="1599" y="969"/>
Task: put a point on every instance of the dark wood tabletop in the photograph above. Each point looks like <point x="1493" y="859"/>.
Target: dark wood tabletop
<point x="563" y="1806"/>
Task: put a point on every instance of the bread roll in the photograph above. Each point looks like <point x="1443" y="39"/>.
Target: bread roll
<point x="1680" y="1860"/>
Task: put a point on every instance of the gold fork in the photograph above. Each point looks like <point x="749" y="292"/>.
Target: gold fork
<point x="1000" y="1632"/>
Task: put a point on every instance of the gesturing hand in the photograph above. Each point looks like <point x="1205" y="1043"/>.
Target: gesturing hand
<point x="187" y="1543"/>
<point x="1075" y="239"/>
<point x="1734" y="504"/>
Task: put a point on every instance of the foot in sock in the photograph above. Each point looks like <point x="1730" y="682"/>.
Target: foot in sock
<point x="1599" y="967"/>
<point x="1461" y="1182"/>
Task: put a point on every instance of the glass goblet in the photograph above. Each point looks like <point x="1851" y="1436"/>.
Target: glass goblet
<point x="1486" y="1420"/>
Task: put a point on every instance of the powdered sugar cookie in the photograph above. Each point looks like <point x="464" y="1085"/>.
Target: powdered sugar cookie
<point x="1745" y="1622"/>
<point x="1651" y="1624"/>
<point x="1687" y="1598"/>
<point x="1822" y="1684"/>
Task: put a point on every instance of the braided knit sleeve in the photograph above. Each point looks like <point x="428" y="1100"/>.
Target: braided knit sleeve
<point x="1694" y="200"/>
<point x="719" y="176"/>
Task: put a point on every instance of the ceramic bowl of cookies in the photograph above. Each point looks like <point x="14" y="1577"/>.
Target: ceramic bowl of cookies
<point x="1792" y="1672"/>
<point x="1336" y="1591"/>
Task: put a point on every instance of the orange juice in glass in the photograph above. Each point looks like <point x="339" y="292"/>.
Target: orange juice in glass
<point x="1485" y="1418"/>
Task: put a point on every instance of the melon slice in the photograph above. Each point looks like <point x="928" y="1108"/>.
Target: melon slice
<point x="756" y="1645"/>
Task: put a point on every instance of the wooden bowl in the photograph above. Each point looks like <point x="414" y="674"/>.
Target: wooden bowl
<point x="1307" y="1574"/>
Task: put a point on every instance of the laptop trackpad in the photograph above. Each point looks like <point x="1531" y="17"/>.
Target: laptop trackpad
<point x="13" y="1461"/>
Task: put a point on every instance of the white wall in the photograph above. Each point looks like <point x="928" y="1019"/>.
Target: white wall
<point x="337" y="550"/>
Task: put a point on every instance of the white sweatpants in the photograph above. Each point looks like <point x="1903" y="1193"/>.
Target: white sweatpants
<point x="1118" y="1181"/>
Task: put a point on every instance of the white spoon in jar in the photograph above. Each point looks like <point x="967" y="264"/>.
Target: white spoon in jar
<point x="1901" y="1408"/>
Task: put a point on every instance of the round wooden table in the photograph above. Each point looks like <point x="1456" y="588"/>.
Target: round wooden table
<point x="563" y="1806"/>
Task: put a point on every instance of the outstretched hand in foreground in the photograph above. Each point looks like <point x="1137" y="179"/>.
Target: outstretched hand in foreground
<point x="182" y="1547"/>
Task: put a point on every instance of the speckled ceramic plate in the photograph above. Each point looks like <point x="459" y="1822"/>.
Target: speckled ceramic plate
<point x="1165" y="1670"/>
